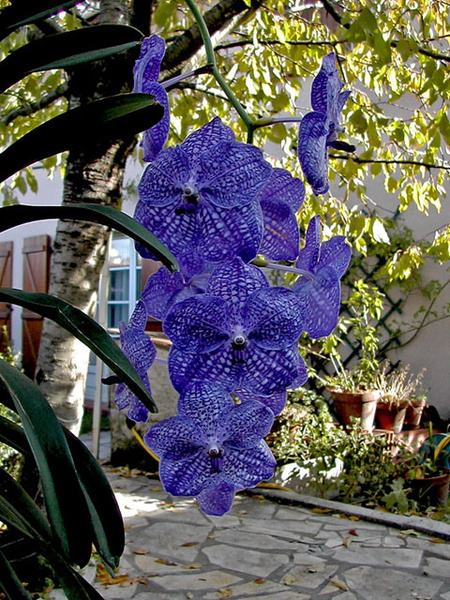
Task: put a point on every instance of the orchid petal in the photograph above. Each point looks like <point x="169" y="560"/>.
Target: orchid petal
<point x="312" y="151"/>
<point x="229" y="233"/>
<point x="198" y="324"/>
<point x="147" y="67"/>
<point x="272" y="318"/>
<point x="232" y="174"/>
<point x="162" y="182"/>
<point x="335" y="253"/>
<point x="243" y="425"/>
<point x="247" y="467"/>
<point x="154" y="139"/>
<point x="281" y="236"/>
<point x="206" y="137"/>
<point x="203" y="402"/>
<point x="217" y="498"/>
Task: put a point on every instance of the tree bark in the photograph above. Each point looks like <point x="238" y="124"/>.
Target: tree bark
<point x="96" y="175"/>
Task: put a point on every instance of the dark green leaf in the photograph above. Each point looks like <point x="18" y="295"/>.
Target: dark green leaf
<point x="22" y="12"/>
<point x="110" y="118"/>
<point x="18" y="214"/>
<point x="74" y="585"/>
<point x="105" y="513"/>
<point x="86" y="330"/>
<point x="9" y="582"/>
<point x="65" y="503"/>
<point x="18" y="510"/>
<point x="66" y="50"/>
<point x="14" y="436"/>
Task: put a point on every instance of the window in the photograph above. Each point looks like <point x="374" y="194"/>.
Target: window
<point x="125" y="280"/>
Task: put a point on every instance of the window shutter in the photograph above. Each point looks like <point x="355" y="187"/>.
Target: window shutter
<point x="6" y="250"/>
<point x="36" y="269"/>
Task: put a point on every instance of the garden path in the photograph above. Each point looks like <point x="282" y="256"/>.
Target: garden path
<point x="271" y="546"/>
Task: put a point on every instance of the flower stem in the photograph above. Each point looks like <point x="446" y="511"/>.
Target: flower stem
<point x="211" y="59"/>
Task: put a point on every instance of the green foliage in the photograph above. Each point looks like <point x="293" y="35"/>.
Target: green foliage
<point x="306" y="431"/>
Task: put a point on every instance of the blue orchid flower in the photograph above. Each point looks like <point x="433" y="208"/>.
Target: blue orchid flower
<point x="213" y="447"/>
<point x="164" y="289"/>
<point x="141" y="352"/>
<point x="281" y="198"/>
<point x="319" y="289"/>
<point x="319" y="129"/>
<point x="146" y="73"/>
<point x="240" y="333"/>
<point x="203" y="194"/>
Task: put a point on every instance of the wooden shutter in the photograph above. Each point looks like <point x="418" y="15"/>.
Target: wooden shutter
<point x="148" y="268"/>
<point x="36" y="268"/>
<point x="6" y="250"/>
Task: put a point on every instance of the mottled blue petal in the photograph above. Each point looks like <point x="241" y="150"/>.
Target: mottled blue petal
<point x="179" y="232"/>
<point x="313" y="152"/>
<point x="273" y="318"/>
<point x="249" y="466"/>
<point x="154" y="139"/>
<point x="281" y="236"/>
<point x="141" y="352"/>
<point x="163" y="180"/>
<point x="203" y="402"/>
<point x="232" y="174"/>
<point x="309" y="255"/>
<point x="148" y="65"/>
<point x="282" y="187"/>
<point x="269" y="371"/>
<point x="276" y="401"/>
<point x="326" y="86"/>
<point x="235" y="281"/>
<point x="335" y="253"/>
<point x="206" y="137"/>
<point x="175" y="438"/>
<point x="217" y="498"/>
<point x="198" y="324"/>
<point x="243" y="425"/>
<point x="186" y="477"/>
<point x="229" y="233"/>
<point x="185" y="367"/>
<point x="320" y="299"/>
<point x="160" y="292"/>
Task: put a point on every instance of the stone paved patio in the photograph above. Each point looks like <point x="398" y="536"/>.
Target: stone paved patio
<point x="267" y="550"/>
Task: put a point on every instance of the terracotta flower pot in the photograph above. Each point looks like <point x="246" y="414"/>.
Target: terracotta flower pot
<point x="359" y="405"/>
<point x="414" y="413"/>
<point x="390" y="416"/>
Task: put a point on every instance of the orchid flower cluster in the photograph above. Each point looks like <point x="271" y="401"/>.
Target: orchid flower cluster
<point x="217" y="204"/>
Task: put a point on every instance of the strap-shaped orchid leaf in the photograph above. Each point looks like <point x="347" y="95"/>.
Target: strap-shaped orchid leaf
<point x="65" y="503"/>
<point x="23" y="12"/>
<point x="109" y="538"/>
<point x="10" y="584"/>
<point x="19" y="510"/>
<point x="66" y="49"/>
<point x="13" y="435"/>
<point x="111" y="118"/>
<point x="18" y="214"/>
<point x="87" y="331"/>
<point x="107" y="522"/>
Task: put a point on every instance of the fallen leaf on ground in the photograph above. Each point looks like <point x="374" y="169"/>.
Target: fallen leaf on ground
<point x="193" y="566"/>
<point x="224" y="593"/>
<point x="140" y="551"/>
<point x="260" y="581"/>
<point x="339" y="584"/>
<point x="164" y="561"/>
<point x="321" y="511"/>
<point x="347" y="542"/>
<point x="189" y="544"/>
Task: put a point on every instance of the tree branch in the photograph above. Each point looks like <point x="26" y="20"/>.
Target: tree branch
<point x="188" y="43"/>
<point x="33" y="107"/>
<point x="393" y="161"/>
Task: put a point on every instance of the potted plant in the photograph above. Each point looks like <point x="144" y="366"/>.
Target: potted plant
<point x="354" y="391"/>
<point x="429" y="473"/>
<point x="354" y="394"/>
<point x="397" y="391"/>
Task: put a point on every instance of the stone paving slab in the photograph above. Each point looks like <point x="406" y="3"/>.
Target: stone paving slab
<point x="267" y="550"/>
